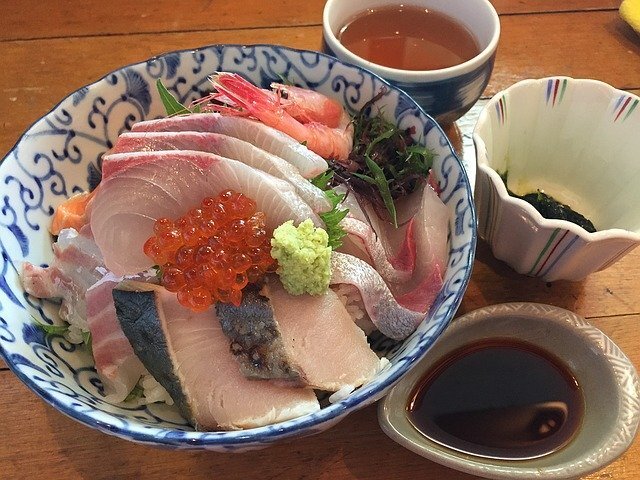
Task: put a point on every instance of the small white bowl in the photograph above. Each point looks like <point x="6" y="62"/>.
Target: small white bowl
<point x="578" y="141"/>
<point x="608" y="379"/>
<point x="446" y="94"/>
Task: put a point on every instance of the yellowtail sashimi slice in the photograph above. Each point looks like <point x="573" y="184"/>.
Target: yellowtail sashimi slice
<point x="219" y="144"/>
<point x="168" y="184"/>
<point x="309" y="164"/>
<point x="189" y="355"/>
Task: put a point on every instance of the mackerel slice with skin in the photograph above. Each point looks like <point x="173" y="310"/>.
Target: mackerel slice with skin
<point x="311" y="335"/>
<point x="255" y="338"/>
<point x="188" y="354"/>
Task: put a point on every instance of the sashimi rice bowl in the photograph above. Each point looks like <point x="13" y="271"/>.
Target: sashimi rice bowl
<point x="227" y="247"/>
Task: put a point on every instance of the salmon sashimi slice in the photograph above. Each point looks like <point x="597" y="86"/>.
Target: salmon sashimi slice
<point x="223" y="145"/>
<point x="188" y="353"/>
<point x="71" y="213"/>
<point x="308" y="163"/>
<point x="168" y="184"/>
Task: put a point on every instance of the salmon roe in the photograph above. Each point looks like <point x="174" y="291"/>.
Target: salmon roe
<point x="210" y="254"/>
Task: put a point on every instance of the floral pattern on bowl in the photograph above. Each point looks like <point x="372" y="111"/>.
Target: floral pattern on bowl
<point x="60" y="155"/>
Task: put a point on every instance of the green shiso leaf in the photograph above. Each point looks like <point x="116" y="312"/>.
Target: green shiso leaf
<point x="135" y="393"/>
<point x="171" y="105"/>
<point x="333" y="217"/>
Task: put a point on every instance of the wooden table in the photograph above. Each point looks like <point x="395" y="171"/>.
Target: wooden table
<point x="49" y="49"/>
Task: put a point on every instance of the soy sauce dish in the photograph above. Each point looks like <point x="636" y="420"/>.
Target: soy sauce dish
<point x="517" y="390"/>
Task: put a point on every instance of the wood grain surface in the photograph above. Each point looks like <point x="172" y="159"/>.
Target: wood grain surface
<point x="49" y="49"/>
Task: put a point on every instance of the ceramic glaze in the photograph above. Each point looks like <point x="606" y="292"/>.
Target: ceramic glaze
<point x="60" y="155"/>
<point x="577" y="140"/>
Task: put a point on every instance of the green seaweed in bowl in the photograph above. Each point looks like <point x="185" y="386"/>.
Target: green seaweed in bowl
<point x="551" y="208"/>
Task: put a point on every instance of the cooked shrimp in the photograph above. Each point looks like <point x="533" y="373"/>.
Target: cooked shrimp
<point x="309" y="117"/>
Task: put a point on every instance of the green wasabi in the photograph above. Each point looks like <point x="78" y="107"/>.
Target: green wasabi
<point x="304" y="257"/>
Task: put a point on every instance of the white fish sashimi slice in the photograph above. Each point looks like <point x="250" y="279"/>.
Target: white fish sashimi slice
<point x="412" y="258"/>
<point x="391" y="318"/>
<point x="116" y="363"/>
<point x="224" y="145"/>
<point x="430" y="233"/>
<point x="189" y="354"/>
<point x="168" y="184"/>
<point x="273" y="141"/>
<point x="74" y="269"/>
<point x="321" y="339"/>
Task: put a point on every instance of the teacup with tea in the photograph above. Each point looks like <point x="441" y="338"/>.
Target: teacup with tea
<point x="441" y="52"/>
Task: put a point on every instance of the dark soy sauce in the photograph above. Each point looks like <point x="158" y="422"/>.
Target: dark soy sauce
<point x="498" y="398"/>
<point x="408" y="38"/>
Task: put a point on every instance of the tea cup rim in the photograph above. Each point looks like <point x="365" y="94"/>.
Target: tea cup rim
<point x="414" y="76"/>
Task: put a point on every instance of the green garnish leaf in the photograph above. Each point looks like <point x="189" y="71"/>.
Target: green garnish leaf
<point x="385" y="163"/>
<point x="333" y="217"/>
<point x="50" y="329"/>
<point x="171" y="105"/>
<point x="383" y="186"/>
<point x="87" y="339"/>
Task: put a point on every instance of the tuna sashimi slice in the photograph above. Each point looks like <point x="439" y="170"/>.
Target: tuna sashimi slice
<point x="273" y="141"/>
<point x="223" y="145"/>
<point x="310" y="339"/>
<point x="189" y="355"/>
<point x="125" y="206"/>
<point x="391" y="318"/>
<point x="116" y="363"/>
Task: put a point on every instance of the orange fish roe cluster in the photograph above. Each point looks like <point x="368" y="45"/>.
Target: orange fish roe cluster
<point x="211" y="253"/>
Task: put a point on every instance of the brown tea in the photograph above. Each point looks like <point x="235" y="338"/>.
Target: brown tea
<point x="498" y="398"/>
<point x="408" y="38"/>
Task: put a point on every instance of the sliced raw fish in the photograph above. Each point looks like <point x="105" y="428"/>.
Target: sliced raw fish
<point x="412" y="258"/>
<point x="76" y="266"/>
<point x="313" y="336"/>
<point x="168" y="184"/>
<point x="321" y="338"/>
<point x="219" y="144"/>
<point x="361" y="232"/>
<point x="430" y="235"/>
<point x="189" y="355"/>
<point x="273" y="141"/>
<point x="117" y="365"/>
<point x="391" y="318"/>
<point x="255" y="338"/>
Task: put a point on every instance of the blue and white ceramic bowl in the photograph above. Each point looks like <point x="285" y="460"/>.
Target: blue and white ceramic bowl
<point x="60" y="155"/>
<point x="445" y="94"/>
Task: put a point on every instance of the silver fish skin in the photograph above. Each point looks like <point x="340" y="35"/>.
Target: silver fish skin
<point x="255" y="340"/>
<point x="392" y="319"/>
